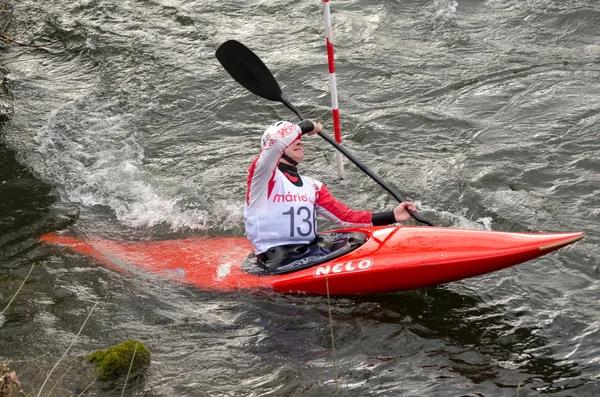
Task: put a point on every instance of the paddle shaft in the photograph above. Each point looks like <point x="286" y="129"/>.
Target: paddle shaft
<point x="360" y="165"/>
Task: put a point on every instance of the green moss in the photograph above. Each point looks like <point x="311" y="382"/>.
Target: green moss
<point x="114" y="362"/>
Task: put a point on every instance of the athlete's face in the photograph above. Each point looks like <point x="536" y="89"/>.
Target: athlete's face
<point x="295" y="151"/>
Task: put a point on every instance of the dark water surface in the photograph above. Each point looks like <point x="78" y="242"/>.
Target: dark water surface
<point x="486" y="113"/>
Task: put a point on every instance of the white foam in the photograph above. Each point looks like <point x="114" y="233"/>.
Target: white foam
<point x="486" y="222"/>
<point x="444" y="12"/>
<point x="223" y="270"/>
<point x="95" y="156"/>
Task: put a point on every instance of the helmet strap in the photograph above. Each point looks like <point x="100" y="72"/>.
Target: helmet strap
<point x="289" y="160"/>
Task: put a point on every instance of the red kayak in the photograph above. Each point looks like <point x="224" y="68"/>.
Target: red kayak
<point x="393" y="258"/>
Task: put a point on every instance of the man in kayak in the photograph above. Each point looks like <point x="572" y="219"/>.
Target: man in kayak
<point x="281" y="205"/>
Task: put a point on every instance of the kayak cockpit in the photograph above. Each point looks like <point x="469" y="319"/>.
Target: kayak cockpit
<point x="289" y="258"/>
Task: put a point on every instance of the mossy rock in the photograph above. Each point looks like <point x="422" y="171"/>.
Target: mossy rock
<point x="115" y="361"/>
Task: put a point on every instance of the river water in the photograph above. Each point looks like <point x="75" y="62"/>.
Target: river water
<point x="484" y="112"/>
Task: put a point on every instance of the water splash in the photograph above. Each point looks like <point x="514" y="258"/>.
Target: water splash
<point x="97" y="159"/>
<point x="444" y="13"/>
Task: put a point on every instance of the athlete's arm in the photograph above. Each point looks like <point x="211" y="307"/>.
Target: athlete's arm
<point x="337" y="212"/>
<point x="260" y="179"/>
<point x="342" y="215"/>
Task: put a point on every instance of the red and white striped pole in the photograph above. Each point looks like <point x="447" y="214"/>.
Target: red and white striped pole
<point x="335" y="112"/>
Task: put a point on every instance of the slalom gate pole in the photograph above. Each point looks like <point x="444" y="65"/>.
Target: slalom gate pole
<point x="333" y="87"/>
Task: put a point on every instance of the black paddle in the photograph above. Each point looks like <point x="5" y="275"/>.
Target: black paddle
<point x="248" y="70"/>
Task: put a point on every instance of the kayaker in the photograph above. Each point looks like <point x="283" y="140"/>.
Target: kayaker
<point x="282" y="205"/>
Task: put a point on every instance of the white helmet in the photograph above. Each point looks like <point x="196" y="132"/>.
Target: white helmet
<point x="268" y="137"/>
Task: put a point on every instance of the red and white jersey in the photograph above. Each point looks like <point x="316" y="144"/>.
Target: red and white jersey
<point x="277" y="211"/>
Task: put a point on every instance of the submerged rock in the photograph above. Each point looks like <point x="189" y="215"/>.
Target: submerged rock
<point x="115" y="362"/>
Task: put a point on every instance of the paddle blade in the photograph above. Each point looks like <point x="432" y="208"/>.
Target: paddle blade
<point x="248" y="70"/>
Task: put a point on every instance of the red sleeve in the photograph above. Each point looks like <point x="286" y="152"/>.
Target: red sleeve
<point x="338" y="212"/>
